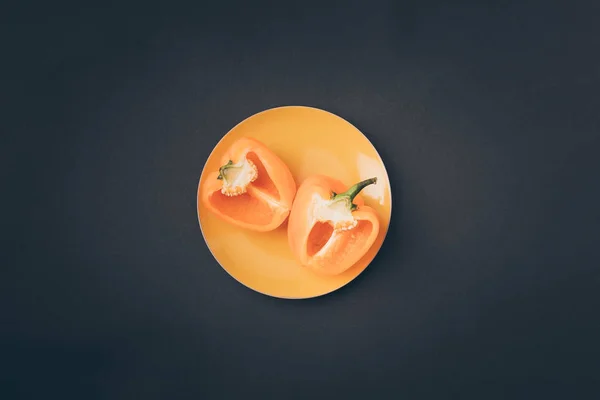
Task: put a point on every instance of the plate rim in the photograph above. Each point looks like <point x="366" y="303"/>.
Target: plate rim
<point x="223" y="138"/>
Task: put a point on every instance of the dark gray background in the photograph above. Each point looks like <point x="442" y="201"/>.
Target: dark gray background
<point x="486" y="115"/>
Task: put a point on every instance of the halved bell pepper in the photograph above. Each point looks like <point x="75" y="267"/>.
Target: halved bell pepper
<point x="330" y="228"/>
<point x="253" y="189"/>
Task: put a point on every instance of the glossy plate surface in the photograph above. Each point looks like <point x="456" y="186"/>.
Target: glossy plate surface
<point x="310" y="141"/>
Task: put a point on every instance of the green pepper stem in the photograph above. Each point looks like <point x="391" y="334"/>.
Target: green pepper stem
<point x="223" y="169"/>
<point x="354" y="190"/>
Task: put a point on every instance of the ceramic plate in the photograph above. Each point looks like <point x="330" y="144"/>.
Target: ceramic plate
<point x="310" y="141"/>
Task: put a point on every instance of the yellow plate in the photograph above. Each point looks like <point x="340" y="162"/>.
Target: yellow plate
<point x="310" y="141"/>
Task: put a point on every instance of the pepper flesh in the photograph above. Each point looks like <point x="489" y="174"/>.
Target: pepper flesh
<point x="253" y="189"/>
<point x="330" y="228"/>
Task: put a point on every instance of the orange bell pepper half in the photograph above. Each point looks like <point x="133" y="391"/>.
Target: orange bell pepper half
<point x="330" y="228"/>
<point x="253" y="189"/>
